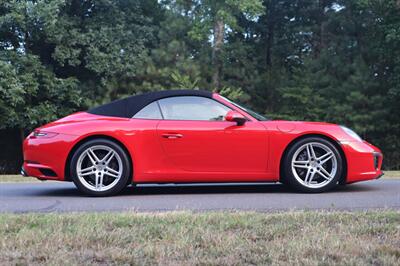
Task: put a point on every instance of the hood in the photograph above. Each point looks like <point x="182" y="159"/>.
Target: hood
<point x="288" y="126"/>
<point x="304" y="127"/>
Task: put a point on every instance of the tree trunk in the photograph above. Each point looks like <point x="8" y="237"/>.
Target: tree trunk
<point x="22" y="134"/>
<point x="270" y="35"/>
<point x="219" y="30"/>
<point x="22" y="138"/>
<point x="270" y="40"/>
<point x="320" y="41"/>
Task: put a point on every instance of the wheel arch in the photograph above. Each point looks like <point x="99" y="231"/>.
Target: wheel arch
<point x="342" y="179"/>
<point x="67" y="173"/>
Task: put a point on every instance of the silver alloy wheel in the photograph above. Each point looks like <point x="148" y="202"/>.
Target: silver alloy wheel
<point x="99" y="168"/>
<point x="314" y="165"/>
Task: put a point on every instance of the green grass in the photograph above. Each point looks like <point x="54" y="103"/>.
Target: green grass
<point x="220" y="238"/>
<point x="19" y="178"/>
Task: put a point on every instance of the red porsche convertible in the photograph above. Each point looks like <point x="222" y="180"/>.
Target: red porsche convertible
<point x="190" y="136"/>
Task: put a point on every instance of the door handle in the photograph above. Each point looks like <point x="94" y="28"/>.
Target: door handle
<point x="172" y="135"/>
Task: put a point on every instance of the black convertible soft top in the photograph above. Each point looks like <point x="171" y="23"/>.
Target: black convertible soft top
<point x="128" y="107"/>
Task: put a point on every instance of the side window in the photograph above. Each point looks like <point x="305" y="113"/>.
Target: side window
<point x="192" y="108"/>
<point x="151" y="111"/>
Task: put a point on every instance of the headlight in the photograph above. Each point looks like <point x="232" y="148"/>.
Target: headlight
<point x="351" y="133"/>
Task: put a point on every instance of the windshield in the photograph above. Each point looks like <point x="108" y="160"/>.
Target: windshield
<point x="247" y="110"/>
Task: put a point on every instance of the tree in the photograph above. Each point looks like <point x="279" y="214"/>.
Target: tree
<point x="175" y="60"/>
<point x="30" y="93"/>
<point x="218" y="17"/>
<point x="327" y="60"/>
<point x="57" y="57"/>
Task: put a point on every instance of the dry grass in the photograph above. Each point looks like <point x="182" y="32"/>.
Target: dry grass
<point x="16" y="179"/>
<point x="19" y="178"/>
<point x="391" y="175"/>
<point x="311" y="238"/>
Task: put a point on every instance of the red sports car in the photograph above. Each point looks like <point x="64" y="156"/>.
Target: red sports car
<point x="190" y="136"/>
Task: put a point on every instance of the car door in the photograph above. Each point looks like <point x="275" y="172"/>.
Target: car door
<point x="195" y="137"/>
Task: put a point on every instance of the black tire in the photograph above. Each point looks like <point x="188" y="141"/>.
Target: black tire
<point x="297" y="183"/>
<point x="122" y="182"/>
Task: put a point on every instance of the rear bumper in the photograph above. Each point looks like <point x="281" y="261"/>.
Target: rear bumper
<point x="364" y="161"/>
<point x="45" y="158"/>
<point x="40" y="171"/>
<point x="379" y="176"/>
<point x="23" y="173"/>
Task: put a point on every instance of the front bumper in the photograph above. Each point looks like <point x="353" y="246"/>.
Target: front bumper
<point x="364" y="161"/>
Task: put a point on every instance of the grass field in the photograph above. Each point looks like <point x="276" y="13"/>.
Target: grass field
<point x="182" y="238"/>
<point x="392" y="175"/>
<point x="19" y="178"/>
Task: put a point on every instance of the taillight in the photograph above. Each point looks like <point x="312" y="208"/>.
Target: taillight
<point x="42" y="134"/>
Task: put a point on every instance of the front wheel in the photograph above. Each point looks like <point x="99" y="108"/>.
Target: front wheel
<point x="100" y="167"/>
<point x="312" y="164"/>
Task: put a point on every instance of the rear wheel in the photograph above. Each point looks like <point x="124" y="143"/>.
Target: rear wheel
<point x="313" y="164"/>
<point x="100" y="167"/>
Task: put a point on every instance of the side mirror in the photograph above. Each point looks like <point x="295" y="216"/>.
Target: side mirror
<point x="233" y="116"/>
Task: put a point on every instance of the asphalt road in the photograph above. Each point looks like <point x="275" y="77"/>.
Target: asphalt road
<point x="64" y="197"/>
